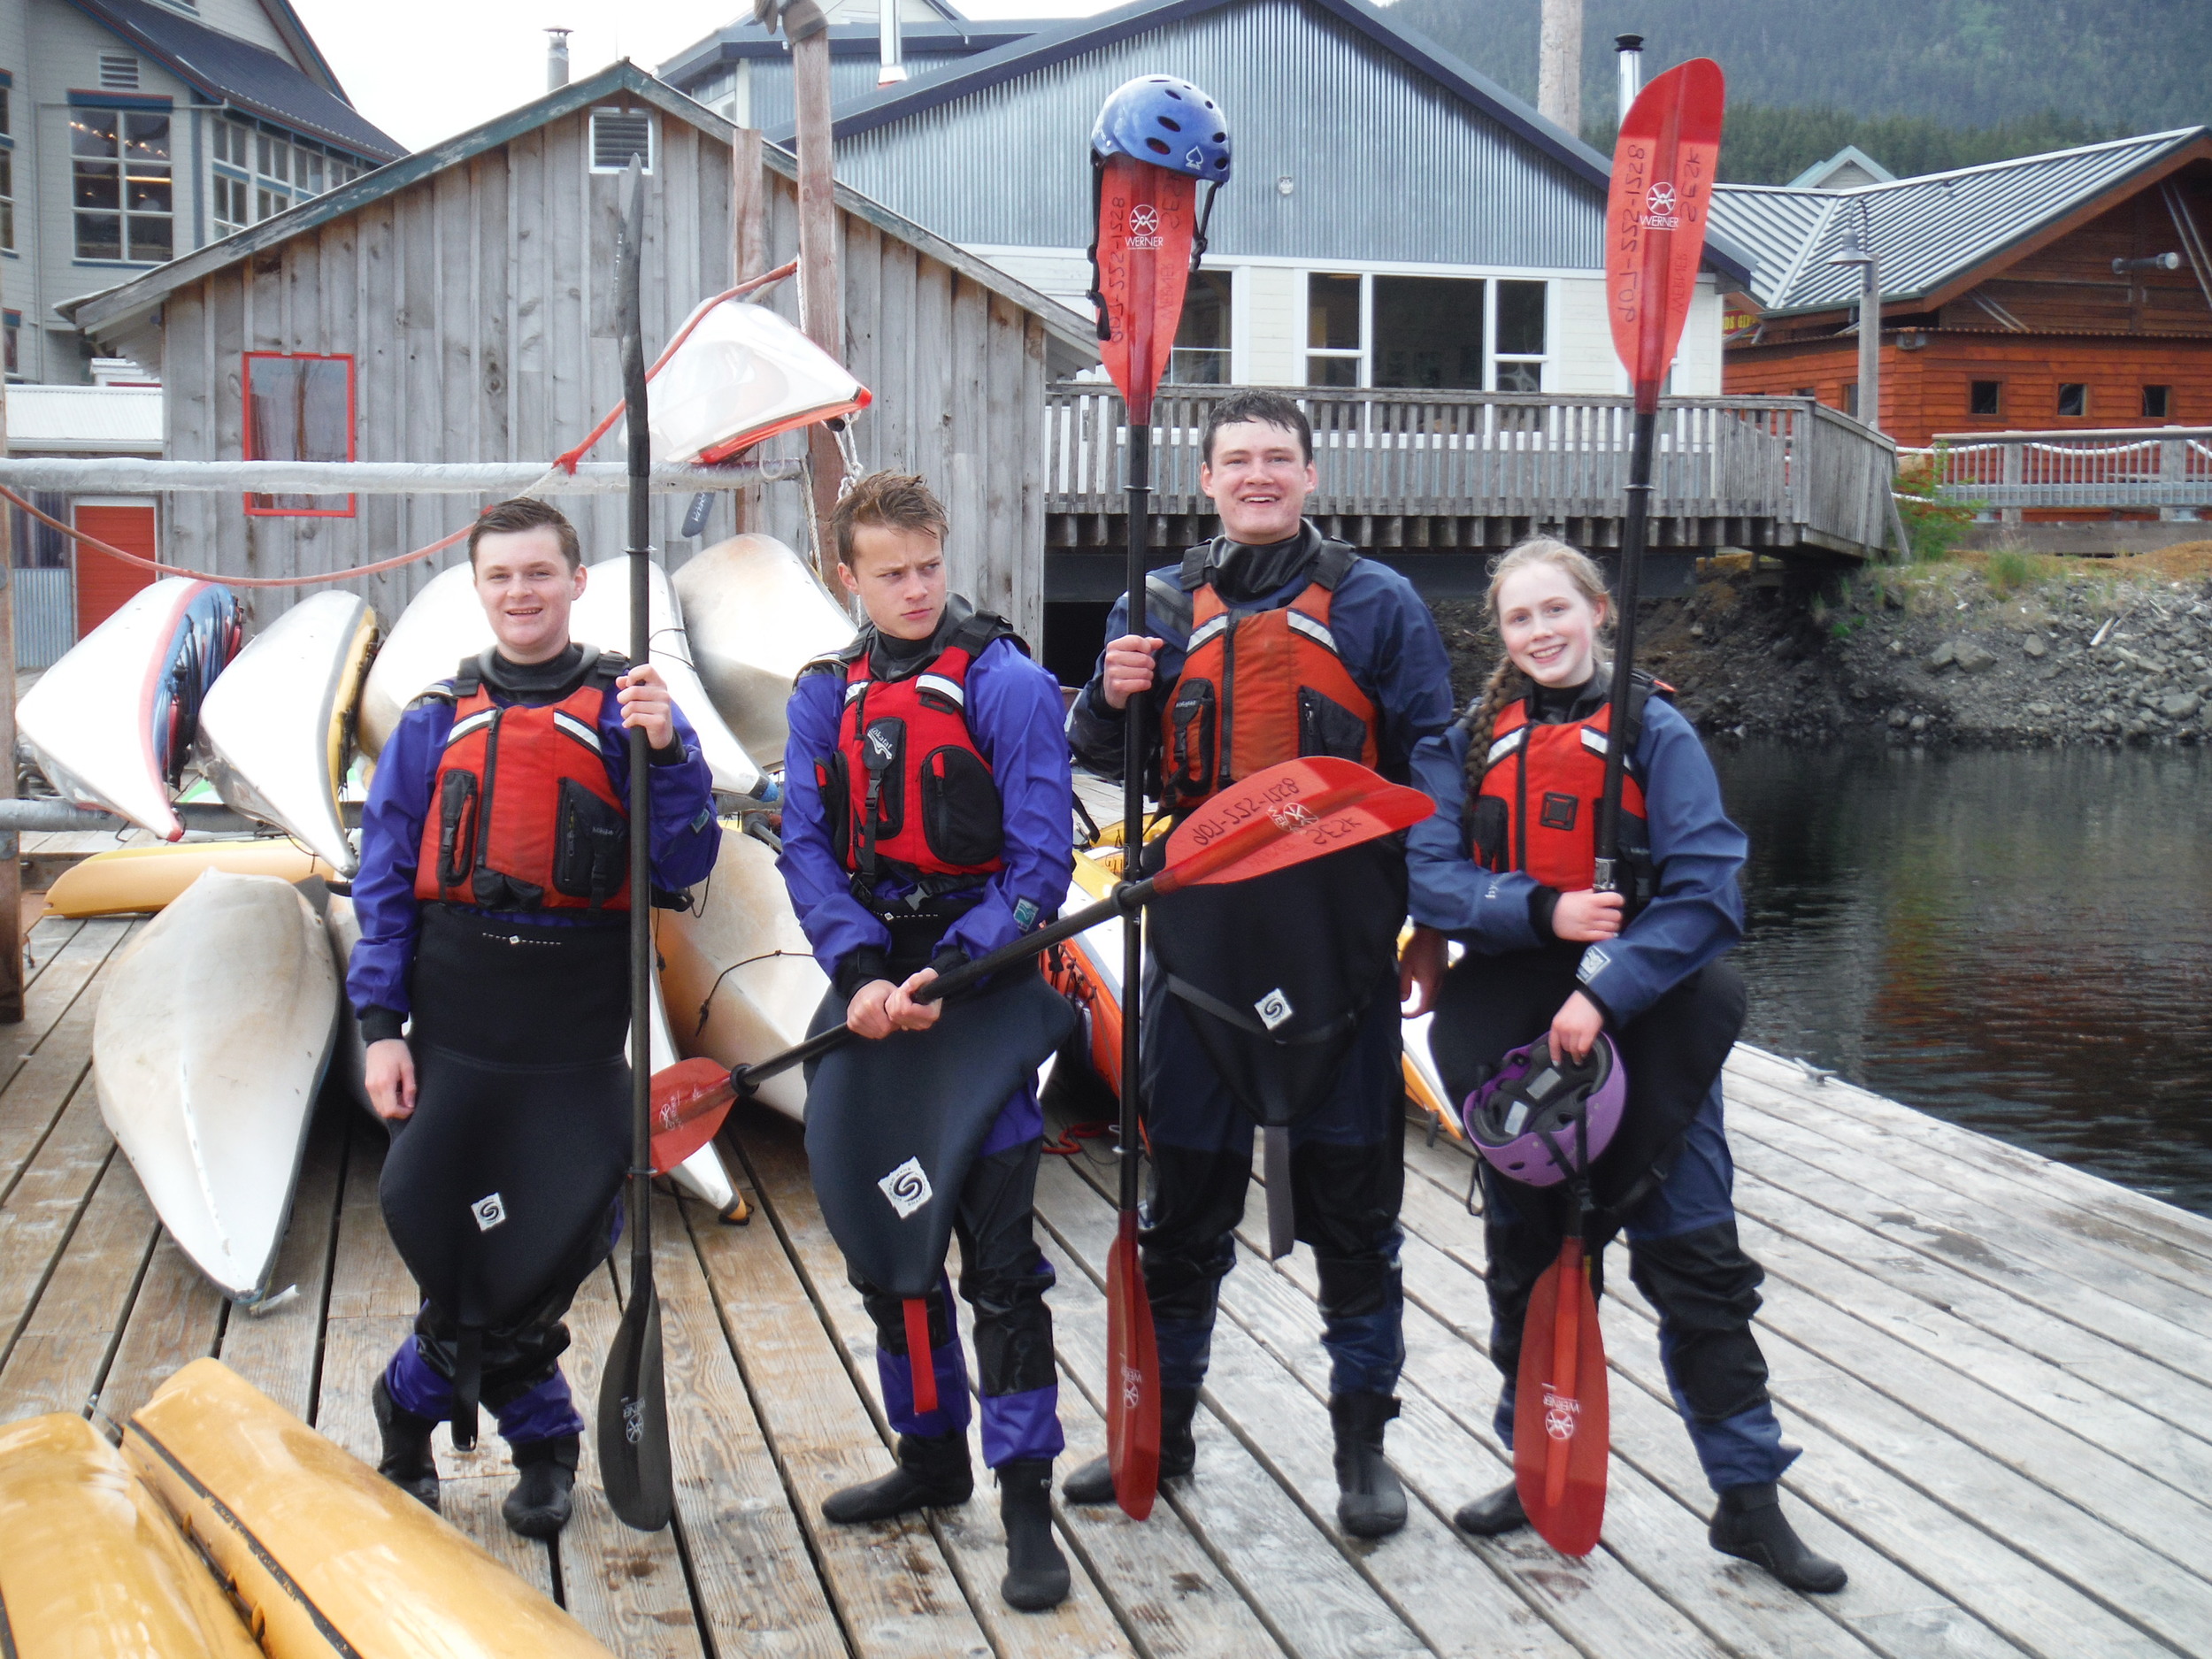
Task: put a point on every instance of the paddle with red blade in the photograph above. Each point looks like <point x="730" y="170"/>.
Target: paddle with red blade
<point x="1663" y="180"/>
<point x="1286" y="815"/>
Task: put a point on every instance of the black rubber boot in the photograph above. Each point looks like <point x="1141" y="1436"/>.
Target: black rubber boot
<point x="1036" y="1571"/>
<point x="1494" y="1515"/>
<point x="406" y="1460"/>
<point x="1369" y="1501"/>
<point x="1749" y="1523"/>
<point x="933" y="1473"/>
<point x="1094" y="1482"/>
<point x="544" y="1488"/>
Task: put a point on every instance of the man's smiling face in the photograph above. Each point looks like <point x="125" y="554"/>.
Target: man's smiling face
<point x="1259" y="478"/>
<point x="526" y="586"/>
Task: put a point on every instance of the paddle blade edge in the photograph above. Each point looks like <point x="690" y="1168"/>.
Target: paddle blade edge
<point x="1576" y="1417"/>
<point x="632" y="1427"/>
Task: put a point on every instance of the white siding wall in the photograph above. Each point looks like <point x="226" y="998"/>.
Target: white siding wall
<point x="1274" y="348"/>
<point x="247" y="22"/>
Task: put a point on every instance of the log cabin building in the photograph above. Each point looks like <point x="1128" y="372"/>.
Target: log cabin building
<point x="2065" y="290"/>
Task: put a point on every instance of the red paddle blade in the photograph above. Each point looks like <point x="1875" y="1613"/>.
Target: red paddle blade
<point x="1133" y="1378"/>
<point x="1285" y="816"/>
<point x="1561" y="1430"/>
<point x="690" y="1099"/>
<point x="1663" y="189"/>
<point x="1146" y="219"/>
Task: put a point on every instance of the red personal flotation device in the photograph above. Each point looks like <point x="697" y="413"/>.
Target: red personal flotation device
<point x="1260" y="688"/>
<point x="907" y="792"/>
<point x="1535" y="808"/>
<point x="521" y="816"/>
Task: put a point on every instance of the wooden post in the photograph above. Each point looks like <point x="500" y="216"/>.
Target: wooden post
<point x="11" y="843"/>
<point x="820" y="291"/>
<point x="748" y="256"/>
<point x="1559" y="64"/>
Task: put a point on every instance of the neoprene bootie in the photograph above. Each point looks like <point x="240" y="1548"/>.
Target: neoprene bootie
<point x="1369" y="1501"/>
<point x="1094" y="1482"/>
<point x="545" y="1486"/>
<point x="1493" y="1516"/>
<point x="1036" y="1571"/>
<point x="933" y="1473"/>
<point x="1750" y="1525"/>
<point x="406" y="1460"/>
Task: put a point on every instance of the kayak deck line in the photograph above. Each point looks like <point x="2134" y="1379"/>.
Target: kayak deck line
<point x="2001" y="1370"/>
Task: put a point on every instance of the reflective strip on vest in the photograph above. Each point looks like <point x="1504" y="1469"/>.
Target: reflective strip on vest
<point x="577" y="729"/>
<point x="1507" y="744"/>
<point x="469" y="728"/>
<point x="1593" y="740"/>
<point x="1206" y="634"/>
<point x="947" y="689"/>
<point x="1313" y="630"/>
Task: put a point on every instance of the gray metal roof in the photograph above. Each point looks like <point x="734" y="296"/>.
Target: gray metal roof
<point x="106" y="309"/>
<point x="228" y="70"/>
<point x="1927" y="232"/>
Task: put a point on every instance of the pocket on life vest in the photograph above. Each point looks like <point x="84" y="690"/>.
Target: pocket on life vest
<point x="591" y="849"/>
<point x="457" y="828"/>
<point x="963" y="817"/>
<point x="1193" y="739"/>
<point x="1326" y="727"/>
<point x="1486" y="831"/>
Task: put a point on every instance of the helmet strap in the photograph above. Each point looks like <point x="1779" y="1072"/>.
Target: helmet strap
<point x="1198" y="240"/>
<point x="1097" y="296"/>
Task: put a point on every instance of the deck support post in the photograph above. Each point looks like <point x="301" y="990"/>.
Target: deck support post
<point x="821" y="298"/>
<point x="748" y="256"/>
<point x="10" y="843"/>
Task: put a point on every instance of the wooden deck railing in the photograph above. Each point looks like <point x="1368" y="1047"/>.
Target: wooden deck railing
<point x="1816" y="475"/>
<point x="2122" y="468"/>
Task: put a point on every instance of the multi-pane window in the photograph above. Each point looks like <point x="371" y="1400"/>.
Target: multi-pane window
<point x="299" y="407"/>
<point x="119" y="163"/>
<point x="1424" y="332"/>
<point x="7" y="198"/>
<point x="1336" y="331"/>
<point x="1519" y="350"/>
<point x="1202" y="340"/>
<point x="11" y="329"/>
<point x="259" y="174"/>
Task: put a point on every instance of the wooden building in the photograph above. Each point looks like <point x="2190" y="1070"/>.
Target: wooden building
<point x="458" y="305"/>
<point x="2069" y="289"/>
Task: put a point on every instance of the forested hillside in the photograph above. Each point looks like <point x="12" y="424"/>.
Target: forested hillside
<point x="1919" y="86"/>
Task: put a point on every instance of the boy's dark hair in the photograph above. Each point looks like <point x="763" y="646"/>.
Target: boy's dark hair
<point x="522" y="513"/>
<point x="897" y="500"/>
<point x="1270" y="408"/>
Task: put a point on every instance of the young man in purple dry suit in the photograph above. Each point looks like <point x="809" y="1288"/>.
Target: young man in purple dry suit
<point x="927" y="822"/>
<point x="493" y="899"/>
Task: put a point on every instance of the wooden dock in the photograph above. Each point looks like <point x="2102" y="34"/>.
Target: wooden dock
<point x="1999" y="1369"/>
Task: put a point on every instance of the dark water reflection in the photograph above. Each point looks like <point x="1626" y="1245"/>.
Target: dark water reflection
<point x="2019" y="942"/>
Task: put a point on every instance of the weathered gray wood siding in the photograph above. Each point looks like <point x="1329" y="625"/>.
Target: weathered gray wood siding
<point x="479" y="306"/>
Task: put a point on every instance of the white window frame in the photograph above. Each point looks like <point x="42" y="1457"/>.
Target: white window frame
<point x="591" y="139"/>
<point x="1490" y="280"/>
<point x="1491" y="356"/>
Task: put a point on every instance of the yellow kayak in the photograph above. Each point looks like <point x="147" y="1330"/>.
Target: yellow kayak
<point x="129" y="879"/>
<point x="326" y="1556"/>
<point x="89" y="1561"/>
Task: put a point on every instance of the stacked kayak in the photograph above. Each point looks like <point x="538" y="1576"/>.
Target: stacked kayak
<point x="755" y="614"/>
<point x="742" y="375"/>
<point x="139" y="880"/>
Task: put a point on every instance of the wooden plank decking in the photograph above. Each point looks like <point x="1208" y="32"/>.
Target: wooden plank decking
<point x="2001" y="1371"/>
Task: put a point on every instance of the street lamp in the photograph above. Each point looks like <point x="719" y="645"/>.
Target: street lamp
<point x="1855" y="252"/>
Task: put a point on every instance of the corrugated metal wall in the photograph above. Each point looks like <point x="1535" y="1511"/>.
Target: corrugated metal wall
<point x="1385" y="163"/>
<point x="849" y="78"/>
<point x="479" y="306"/>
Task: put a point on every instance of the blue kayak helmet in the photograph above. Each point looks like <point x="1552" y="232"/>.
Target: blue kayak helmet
<point x="1167" y="121"/>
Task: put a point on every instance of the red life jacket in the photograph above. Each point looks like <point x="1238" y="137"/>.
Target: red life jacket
<point x="1535" y="807"/>
<point x="907" y="793"/>
<point x="522" y="817"/>
<point x="1261" y="689"/>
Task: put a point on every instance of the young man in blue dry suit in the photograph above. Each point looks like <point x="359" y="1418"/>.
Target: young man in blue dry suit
<point x="926" y="822"/>
<point x="493" y="898"/>
<point x="1276" y="1000"/>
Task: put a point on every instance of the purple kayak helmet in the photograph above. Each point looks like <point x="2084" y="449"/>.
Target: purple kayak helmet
<point x="1535" y="1112"/>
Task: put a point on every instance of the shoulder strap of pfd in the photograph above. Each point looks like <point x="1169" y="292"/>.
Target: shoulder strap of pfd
<point x="977" y="629"/>
<point x="609" y="667"/>
<point x="839" y="661"/>
<point x="1330" y="566"/>
<point x="470" y="675"/>
<point x="1166" y="599"/>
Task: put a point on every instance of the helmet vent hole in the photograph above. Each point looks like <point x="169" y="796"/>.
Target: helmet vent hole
<point x="1157" y="147"/>
<point x="1171" y="125"/>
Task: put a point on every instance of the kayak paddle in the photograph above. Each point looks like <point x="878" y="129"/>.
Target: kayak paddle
<point x="1300" y="811"/>
<point x="634" y="1462"/>
<point x="1663" y="179"/>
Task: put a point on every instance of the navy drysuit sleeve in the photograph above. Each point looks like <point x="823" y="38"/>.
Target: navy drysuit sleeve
<point x="837" y="924"/>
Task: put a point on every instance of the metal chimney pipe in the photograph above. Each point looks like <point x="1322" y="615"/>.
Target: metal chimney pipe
<point x="887" y="40"/>
<point x="1631" y="50"/>
<point x="556" y="59"/>
<point x="1559" y="64"/>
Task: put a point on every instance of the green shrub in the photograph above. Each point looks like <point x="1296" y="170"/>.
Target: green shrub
<point x="1933" y="525"/>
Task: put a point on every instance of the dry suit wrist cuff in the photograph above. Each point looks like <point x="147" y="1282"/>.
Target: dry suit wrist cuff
<point x="380" y="1024"/>
<point x="672" y="754"/>
<point x="946" y="959"/>
<point x="1541" y="903"/>
<point x="860" y="966"/>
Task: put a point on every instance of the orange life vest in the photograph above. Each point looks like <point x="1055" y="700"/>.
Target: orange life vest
<point x="1262" y="688"/>
<point x="522" y="817"/>
<point x="1535" y="808"/>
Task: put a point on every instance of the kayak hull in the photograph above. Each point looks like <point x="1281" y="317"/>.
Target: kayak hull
<point x="441" y="625"/>
<point x="138" y="880"/>
<point x="702" y="1174"/>
<point x="208" y="1050"/>
<point x="755" y="614"/>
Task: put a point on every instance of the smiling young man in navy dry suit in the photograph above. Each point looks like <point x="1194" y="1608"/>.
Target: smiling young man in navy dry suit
<point x="927" y="816"/>
<point x="493" y="898"/>
<point x="1274" y="1001"/>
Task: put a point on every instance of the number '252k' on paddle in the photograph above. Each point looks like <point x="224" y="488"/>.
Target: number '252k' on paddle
<point x="1655" y="238"/>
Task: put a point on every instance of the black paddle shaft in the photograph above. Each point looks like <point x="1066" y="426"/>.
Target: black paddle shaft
<point x="1630" y="579"/>
<point x="1140" y="509"/>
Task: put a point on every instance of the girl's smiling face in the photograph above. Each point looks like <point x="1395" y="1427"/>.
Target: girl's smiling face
<point x="1550" y="629"/>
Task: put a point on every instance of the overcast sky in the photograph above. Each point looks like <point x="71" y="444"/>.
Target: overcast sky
<point x="424" y="69"/>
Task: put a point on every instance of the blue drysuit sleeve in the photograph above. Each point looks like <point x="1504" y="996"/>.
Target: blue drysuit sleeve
<point x="836" y="924"/>
<point x="1014" y="714"/>
<point x="685" y="838"/>
<point x="391" y="838"/>
<point x="1485" y="910"/>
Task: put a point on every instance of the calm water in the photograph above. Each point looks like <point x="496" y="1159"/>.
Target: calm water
<point x="2019" y="942"/>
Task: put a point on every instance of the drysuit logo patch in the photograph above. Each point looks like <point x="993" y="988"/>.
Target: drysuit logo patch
<point x="490" y="1211"/>
<point x="1595" y="962"/>
<point x="1273" y="1009"/>
<point x="907" y="1188"/>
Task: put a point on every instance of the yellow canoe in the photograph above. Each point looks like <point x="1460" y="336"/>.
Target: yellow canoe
<point x="128" y="879"/>
<point x="89" y="1563"/>
<point x="325" y="1555"/>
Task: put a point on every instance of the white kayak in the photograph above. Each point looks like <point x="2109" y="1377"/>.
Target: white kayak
<point x="207" y="1051"/>
<point x="755" y="614"/>
<point x="275" y="729"/>
<point x="349" y="1055"/>
<point x="741" y="979"/>
<point x="111" y="724"/>
<point x="441" y="625"/>
<point x="743" y="374"/>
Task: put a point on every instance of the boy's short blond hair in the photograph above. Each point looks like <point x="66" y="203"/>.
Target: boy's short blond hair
<point x="897" y="500"/>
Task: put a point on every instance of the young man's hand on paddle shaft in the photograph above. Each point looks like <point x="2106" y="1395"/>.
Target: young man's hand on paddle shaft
<point x="645" y="703"/>
<point x="879" y="1008"/>
<point x="389" y="1076"/>
<point x="1128" y="668"/>
<point x="1584" y="917"/>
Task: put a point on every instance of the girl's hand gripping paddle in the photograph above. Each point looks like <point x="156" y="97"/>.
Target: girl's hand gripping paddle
<point x="1561" y="1421"/>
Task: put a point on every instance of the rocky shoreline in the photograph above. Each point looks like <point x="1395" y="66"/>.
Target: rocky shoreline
<point x="1998" y="650"/>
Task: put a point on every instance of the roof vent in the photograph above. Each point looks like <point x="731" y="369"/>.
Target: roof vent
<point x="618" y="134"/>
<point x="118" y="71"/>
